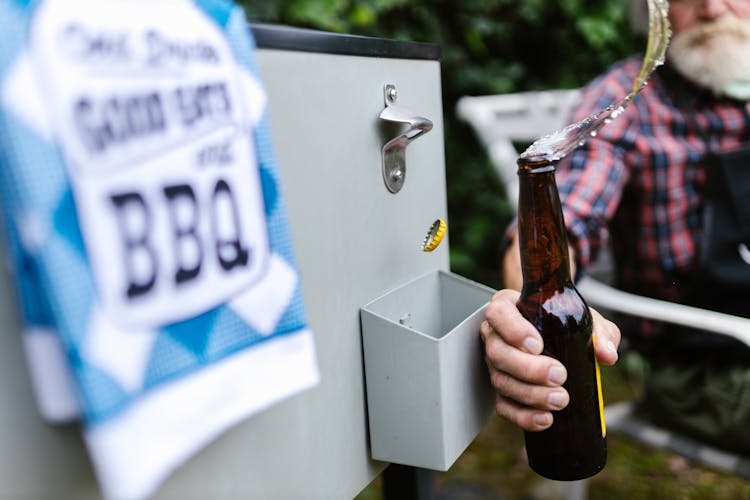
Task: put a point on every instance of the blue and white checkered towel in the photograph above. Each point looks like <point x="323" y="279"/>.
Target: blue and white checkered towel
<point x="146" y="227"/>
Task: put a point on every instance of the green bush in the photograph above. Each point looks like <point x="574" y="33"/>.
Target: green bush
<point x="487" y="47"/>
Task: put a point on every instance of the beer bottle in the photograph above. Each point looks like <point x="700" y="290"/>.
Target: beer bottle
<point x="574" y="447"/>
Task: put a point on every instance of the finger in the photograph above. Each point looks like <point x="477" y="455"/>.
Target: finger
<point x="607" y="339"/>
<point x="529" y="395"/>
<point x="530" y="368"/>
<point x="511" y="265"/>
<point x="528" y="419"/>
<point x="505" y="320"/>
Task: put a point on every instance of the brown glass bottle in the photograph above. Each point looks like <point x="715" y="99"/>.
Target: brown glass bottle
<point x="574" y="447"/>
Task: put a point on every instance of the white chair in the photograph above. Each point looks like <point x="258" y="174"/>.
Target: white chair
<point x="500" y="121"/>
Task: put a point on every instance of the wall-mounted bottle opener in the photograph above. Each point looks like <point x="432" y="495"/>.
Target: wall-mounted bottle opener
<point x="394" y="151"/>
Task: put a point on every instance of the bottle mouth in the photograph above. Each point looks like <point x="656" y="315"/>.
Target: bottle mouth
<point x="536" y="164"/>
<point x="531" y="170"/>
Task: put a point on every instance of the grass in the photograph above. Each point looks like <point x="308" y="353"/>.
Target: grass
<point x="495" y="464"/>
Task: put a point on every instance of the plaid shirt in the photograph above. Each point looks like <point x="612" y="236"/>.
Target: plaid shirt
<point x="641" y="180"/>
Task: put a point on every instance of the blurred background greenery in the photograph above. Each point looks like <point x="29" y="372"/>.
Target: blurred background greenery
<point x="501" y="46"/>
<point x="487" y="47"/>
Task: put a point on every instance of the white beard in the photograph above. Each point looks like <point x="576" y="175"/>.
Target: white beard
<point x="713" y="54"/>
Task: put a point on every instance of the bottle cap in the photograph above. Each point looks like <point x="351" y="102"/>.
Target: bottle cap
<point x="434" y="235"/>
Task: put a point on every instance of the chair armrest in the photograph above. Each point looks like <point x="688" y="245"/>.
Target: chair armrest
<point x="598" y="294"/>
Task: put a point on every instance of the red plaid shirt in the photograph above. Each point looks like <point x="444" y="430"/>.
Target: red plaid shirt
<point x="641" y="179"/>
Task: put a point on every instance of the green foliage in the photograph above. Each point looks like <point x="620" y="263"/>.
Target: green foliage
<point x="487" y="47"/>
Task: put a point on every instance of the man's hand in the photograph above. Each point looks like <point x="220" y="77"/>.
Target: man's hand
<point x="528" y="384"/>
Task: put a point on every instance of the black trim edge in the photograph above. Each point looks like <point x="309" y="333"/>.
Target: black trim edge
<point x="272" y="36"/>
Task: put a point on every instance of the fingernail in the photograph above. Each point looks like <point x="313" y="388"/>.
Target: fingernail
<point x="542" y="419"/>
<point x="557" y="399"/>
<point x="556" y="375"/>
<point x="532" y="345"/>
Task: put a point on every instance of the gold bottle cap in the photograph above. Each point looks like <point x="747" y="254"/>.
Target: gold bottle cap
<point x="434" y="235"/>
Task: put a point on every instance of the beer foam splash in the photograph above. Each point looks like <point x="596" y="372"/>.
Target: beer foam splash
<point x="557" y="145"/>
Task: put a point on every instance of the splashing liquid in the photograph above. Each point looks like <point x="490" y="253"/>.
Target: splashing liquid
<point x="557" y="145"/>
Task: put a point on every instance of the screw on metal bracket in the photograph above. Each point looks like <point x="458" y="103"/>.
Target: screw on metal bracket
<point x="394" y="151"/>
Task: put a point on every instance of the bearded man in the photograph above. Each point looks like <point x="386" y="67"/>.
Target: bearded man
<point x="643" y="184"/>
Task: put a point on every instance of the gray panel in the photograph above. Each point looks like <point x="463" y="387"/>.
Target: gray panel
<point x="354" y="241"/>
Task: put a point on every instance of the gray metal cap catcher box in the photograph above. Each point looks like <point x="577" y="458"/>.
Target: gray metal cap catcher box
<point x="428" y="392"/>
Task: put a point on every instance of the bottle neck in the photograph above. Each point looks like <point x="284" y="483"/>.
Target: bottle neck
<point x="541" y="229"/>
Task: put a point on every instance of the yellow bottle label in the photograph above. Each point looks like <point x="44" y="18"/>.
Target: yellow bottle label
<point x="599" y="391"/>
